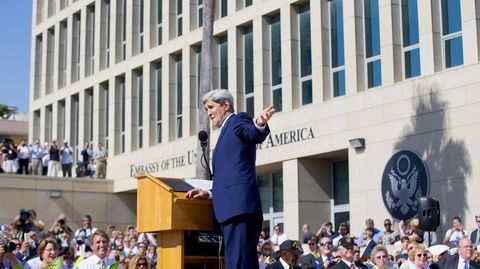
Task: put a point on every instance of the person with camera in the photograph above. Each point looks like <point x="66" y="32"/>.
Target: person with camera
<point x="85" y="232"/>
<point x="67" y="159"/>
<point x="8" y="258"/>
<point x="10" y="152"/>
<point x="54" y="162"/>
<point x="61" y="232"/>
<point x="23" y="157"/>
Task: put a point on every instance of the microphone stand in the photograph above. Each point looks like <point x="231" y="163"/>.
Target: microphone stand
<point x="204" y="160"/>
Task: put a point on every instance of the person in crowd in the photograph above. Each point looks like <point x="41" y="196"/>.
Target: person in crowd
<point x="100" y="247"/>
<point x="87" y="230"/>
<point x="311" y="260"/>
<point x="265" y="256"/>
<point x="326" y="230"/>
<point x="379" y="256"/>
<point x="376" y="235"/>
<point x="357" y="260"/>
<point x="403" y="253"/>
<point x="141" y="248"/>
<point x="61" y="232"/>
<point x="417" y="257"/>
<point x="8" y="259"/>
<point x="306" y="234"/>
<point x="54" y="162"/>
<point x="346" y="253"/>
<point x="389" y="236"/>
<point x="264" y="236"/>
<point x="462" y="259"/>
<point x="47" y="251"/>
<point x="414" y="234"/>
<point x="475" y="235"/>
<point x="237" y="207"/>
<point x="290" y="251"/>
<point x="23" y="157"/>
<point x="326" y="249"/>
<point x="278" y="237"/>
<point x="86" y="154"/>
<point x="369" y="243"/>
<point x="36" y="154"/>
<point x="342" y="232"/>
<point x="454" y="234"/>
<point x="67" y="159"/>
<point x="152" y="255"/>
<point x="140" y="262"/>
<point x="101" y="156"/>
<point x="45" y="159"/>
<point x="10" y="152"/>
<point x="91" y="168"/>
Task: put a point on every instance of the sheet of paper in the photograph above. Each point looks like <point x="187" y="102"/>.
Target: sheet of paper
<point x="200" y="183"/>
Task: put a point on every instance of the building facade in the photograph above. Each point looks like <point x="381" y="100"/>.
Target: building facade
<point x="397" y="74"/>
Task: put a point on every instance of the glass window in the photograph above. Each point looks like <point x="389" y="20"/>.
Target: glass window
<point x="271" y="196"/>
<point x="90" y="36"/>
<point x="410" y="36"/>
<point x="248" y="69"/>
<point x="248" y="3"/>
<point x="337" y="47"/>
<point x="223" y="8"/>
<point x="305" y="55"/>
<point x="122" y="117"/>
<point x="76" y="48"/>
<point x="179" y="94"/>
<point x="62" y="57"/>
<point x="158" y="103"/>
<point x="199" y="13"/>
<point x="179" y="17"/>
<point x="340" y="183"/>
<point x="452" y="33"/>
<point x="124" y="29"/>
<point x="139" y="111"/>
<point x="223" y="57"/>
<point x="372" y="43"/>
<point x="105" y="34"/>
<point x="140" y="26"/>
<point x="276" y="57"/>
<point x="159" y="21"/>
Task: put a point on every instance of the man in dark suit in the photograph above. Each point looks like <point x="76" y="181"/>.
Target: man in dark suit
<point x="460" y="260"/>
<point x="289" y="252"/>
<point x="236" y="199"/>
<point x="475" y="235"/>
<point x="370" y="244"/>
<point x="345" y="251"/>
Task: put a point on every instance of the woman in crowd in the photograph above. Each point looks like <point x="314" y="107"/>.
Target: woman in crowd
<point x="379" y="257"/>
<point x="140" y="262"/>
<point x="47" y="252"/>
<point x="417" y="257"/>
<point x="266" y="252"/>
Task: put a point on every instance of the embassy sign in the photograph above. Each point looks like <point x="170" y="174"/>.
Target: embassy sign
<point x="287" y="137"/>
<point x="405" y="179"/>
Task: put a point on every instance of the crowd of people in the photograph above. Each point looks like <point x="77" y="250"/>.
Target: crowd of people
<point x="407" y="247"/>
<point x="48" y="159"/>
<point x="31" y="244"/>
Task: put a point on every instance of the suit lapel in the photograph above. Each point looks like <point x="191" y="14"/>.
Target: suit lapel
<point x="222" y="133"/>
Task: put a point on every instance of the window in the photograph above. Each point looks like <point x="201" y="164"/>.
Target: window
<point x="38" y="67"/>
<point x="74" y="125"/>
<point x="179" y="17"/>
<point x="88" y="119"/>
<point x="223" y="8"/>
<point x="199" y="13"/>
<point x="248" y="69"/>
<point x="138" y="24"/>
<point x="271" y="196"/>
<point x="452" y="33"/>
<point x="105" y="34"/>
<point x="62" y="55"/>
<point x="179" y="96"/>
<point x="39" y="13"/>
<point x="159" y="21"/>
<point x="223" y="62"/>
<point x="50" y="54"/>
<point x="410" y="39"/>
<point x="337" y="48"/>
<point x="121" y="99"/>
<point x="60" y="119"/>
<point x="247" y="3"/>
<point x="52" y="5"/>
<point x="76" y="48"/>
<point x="104" y="113"/>
<point x="63" y="4"/>
<point x="90" y="47"/>
<point x="198" y="61"/>
<point x="276" y="62"/>
<point x="138" y="118"/>
<point x="372" y="43"/>
<point x="340" y="203"/>
<point x="158" y="103"/>
<point x="305" y="54"/>
<point x="121" y="29"/>
<point x="36" y="123"/>
<point x="48" y="122"/>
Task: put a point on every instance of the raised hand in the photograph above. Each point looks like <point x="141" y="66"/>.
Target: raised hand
<point x="266" y="114"/>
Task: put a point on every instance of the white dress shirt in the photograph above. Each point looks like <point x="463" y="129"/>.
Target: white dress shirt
<point x="94" y="262"/>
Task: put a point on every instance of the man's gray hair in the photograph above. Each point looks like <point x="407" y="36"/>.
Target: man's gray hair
<point x="219" y="96"/>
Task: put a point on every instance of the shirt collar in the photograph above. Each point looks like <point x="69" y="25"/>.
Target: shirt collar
<point x="226" y="119"/>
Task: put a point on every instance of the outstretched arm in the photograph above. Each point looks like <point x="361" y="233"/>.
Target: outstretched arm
<point x="266" y="114"/>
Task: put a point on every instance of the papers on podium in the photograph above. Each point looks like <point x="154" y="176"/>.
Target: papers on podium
<point x="199" y="183"/>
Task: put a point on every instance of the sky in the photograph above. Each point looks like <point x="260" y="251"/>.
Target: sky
<point x="15" y="31"/>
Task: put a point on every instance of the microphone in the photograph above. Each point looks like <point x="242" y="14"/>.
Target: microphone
<point x="202" y="136"/>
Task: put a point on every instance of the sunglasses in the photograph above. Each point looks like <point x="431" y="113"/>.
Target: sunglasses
<point x="421" y="255"/>
<point x="326" y="244"/>
<point x="387" y="224"/>
<point x="311" y="244"/>
<point x="357" y="251"/>
<point x="142" y="264"/>
<point x="383" y="257"/>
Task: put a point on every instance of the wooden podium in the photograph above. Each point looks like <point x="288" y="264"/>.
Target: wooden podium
<point x="167" y="212"/>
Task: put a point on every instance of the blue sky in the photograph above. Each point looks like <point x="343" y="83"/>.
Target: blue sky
<point x="15" y="31"/>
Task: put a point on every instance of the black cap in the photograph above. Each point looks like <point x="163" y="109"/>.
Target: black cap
<point x="346" y="242"/>
<point x="293" y="246"/>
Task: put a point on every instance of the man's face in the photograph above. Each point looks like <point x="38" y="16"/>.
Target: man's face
<point x="290" y="257"/>
<point x="312" y="245"/>
<point x="276" y="230"/>
<point x="216" y="112"/>
<point x="346" y="254"/>
<point x="370" y="224"/>
<point x="87" y="222"/>
<point x="342" y="230"/>
<point x="326" y="246"/>
<point x="100" y="246"/>
<point x="356" y="253"/>
<point x="465" y="249"/>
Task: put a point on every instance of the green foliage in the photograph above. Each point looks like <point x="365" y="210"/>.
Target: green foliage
<point x="3" y="110"/>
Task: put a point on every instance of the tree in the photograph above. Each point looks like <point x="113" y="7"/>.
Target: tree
<point x="4" y="111"/>
<point x="203" y="122"/>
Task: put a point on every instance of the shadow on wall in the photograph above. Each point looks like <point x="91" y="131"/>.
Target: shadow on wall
<point x="447" y="158"/>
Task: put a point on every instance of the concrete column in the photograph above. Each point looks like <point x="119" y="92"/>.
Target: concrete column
<point x="83" y="38"/>
<point x="97" y="36"/>
<point x="130" y="124"/>
<point x="354" y="47"/>
<point x="68" y="78"/>
<point x="186" y="92"/>
<point x="317" y="47"/>
<point x="430" y="37"/>
<point x="98" y="111"/>
<point x="56" y="49"/>
<point x="129" y="32"/>
<point x="390" y="47"/>
<point x="289" y="48"/>
<point x="469" y="32"/>
<point x="260" y="83"/>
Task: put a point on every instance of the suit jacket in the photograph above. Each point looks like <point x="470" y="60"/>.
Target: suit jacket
<point x="278" y="265"/>
<point x="342" y="265"/>
<point x="235" y="189"/>
<point x="451" y="262"/>
<point x="368" y="249"/>
<point x="473" y="236"/>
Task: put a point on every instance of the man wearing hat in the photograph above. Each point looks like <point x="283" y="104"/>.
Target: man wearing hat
<point x="289" y="253"/>
<point x="346" y="253"/>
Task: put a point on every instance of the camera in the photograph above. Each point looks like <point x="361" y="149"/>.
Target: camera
<point x="24" y="216"/>
<point x="61" y="221"/>
<point x="10" y="247"/>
